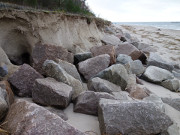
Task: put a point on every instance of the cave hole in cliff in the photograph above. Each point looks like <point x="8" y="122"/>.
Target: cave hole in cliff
<point x="17" y="48"/>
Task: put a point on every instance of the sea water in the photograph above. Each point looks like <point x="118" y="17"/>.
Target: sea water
<point x="163" y="25"/>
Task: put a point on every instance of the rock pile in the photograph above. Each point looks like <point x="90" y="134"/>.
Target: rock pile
<point x="112" y="74"/>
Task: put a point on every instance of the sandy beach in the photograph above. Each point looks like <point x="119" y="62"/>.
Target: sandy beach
<point x="87" y="67"/>
<point x="165" y="41"/>
<point x="87" y="124"/>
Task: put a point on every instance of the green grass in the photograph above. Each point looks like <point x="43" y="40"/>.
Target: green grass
<point x="68" y="6"/>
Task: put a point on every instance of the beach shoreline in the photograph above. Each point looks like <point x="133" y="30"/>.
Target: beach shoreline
<point x="160" y="25"/>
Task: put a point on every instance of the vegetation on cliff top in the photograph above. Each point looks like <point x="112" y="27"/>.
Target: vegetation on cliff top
<point x="74" y="7"/>
<point x="70" y="6"/>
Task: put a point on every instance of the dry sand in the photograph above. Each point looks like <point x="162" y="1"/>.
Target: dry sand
<point x="85" y="123"/>
<point x="165" y="41"/>
<point x="160" y="91"/>
<point x="175" y="117"/>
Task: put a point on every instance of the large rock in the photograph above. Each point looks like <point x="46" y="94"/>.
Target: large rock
<point x="123" y="59"/>
<point x="3" y="103"/>
<point x="54" y="109"/>
<point x="3" y="70"/>
<point x="175" y="103"/>
<point x="156" y="100"/>
<point x="131" y="80"/>
<point x="156" y="60"/>
<point x="23" y="80"/>
<point x="42" y="52"/>
<point x="131" y="118"/>
<point x="69" y="68"/>
<point x="5" y="62"/>
<point x="145" y="48"/>
<point x="89" y="68"/>
<point x="116" y="74"/>
<point x="110" y="40"/>
<point x="127" y="38"/>
<point x="50" y="92"/>
<point x="121" y="95"/>
<point x="105" y="49"/>
<point x="54" y="70"/>
<point x="176" y="74"/>
<point x="58" y="112"/>
<point x="4" y="58"/>
<point x="137" y="92"/>
<point x="79" y="57"/>
<point x="171" y="84"/>
<point x="87" y="102"/>
<point x="109" y="30"/>
<point x="157" y="75"/>
<point x="28" y="118"/>
<point x="143" y="58"/>
<point x="136" y="67"/>
<point x="141" y="46"/>
<point x="129" y="50"/>
<point x="130" y="39"/>
<point x="174" y="116"/>
<point x="100" y="85"/>
<point x="10" y="95"/>
<point x="148" y="50"/>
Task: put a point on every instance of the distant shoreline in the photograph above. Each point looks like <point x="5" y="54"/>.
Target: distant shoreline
<point x="161" y="25"/>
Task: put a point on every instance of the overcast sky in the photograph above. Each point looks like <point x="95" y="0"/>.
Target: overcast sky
<point x="136" y="10"/>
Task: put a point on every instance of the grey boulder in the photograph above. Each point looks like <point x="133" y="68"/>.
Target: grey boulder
<point x="42" y="52"/>
<point x="131" y="80"/>
<point x="87" y="102"/>
<point x="50" y="92"/>
<point x="156" y="100"/>
<point x="175" y="103"/>
<point x="123" y="59"/>
<point x="135" y="67"/>
<point x="69" y="68"/>
<point x="121" y="95"/>
<point x="171" y="84"/>
<point x="129" y="50"/>
<point x="116" y="74"/>
<point x="28" y="118"/>
<point x="110" y="39"/>
<point x="156" y="74"/>
<point x="176" y="74"/>
<point x="104" y="49"/>
<point x="146" y="48"/>
<point x="3" y="70"/>
<point x="89" y="68"/>
<point x="54" y="70"/>
<point x="100" y="85"/>
<point x="156" y="60"/>
<point x="23" y="80"/>
<point x="58" y="112"/>
<point x="79" y="57"/>
<point x="131" y="118"/>
<point x="3" y="103"/>
<point x="10" y="95"/>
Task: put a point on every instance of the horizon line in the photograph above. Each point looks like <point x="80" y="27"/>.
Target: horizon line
<point x="146" y="21"/>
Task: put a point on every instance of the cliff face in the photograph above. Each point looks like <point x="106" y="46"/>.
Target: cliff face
<point x="20" y="31"/>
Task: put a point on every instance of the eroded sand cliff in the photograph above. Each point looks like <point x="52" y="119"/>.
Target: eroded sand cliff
<point x="21" y="30"/>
